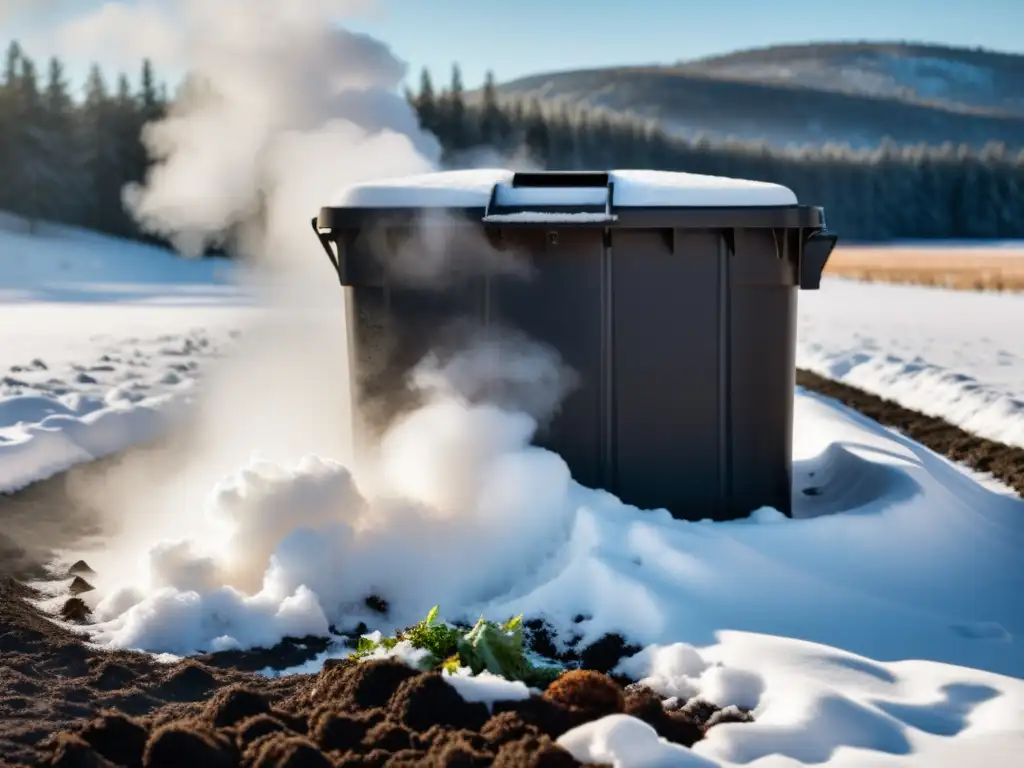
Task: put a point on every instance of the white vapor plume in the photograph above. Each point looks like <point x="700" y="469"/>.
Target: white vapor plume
<point x="282" y="108"/>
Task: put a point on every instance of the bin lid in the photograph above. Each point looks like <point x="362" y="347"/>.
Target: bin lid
<point x="632" y="189"/>
<point x="498" y="197"/>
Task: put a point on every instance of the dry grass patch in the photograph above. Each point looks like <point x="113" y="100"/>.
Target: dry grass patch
<point x="968" y="268"/>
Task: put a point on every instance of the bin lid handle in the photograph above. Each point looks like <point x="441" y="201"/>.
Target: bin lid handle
<point x="554" y="180"/>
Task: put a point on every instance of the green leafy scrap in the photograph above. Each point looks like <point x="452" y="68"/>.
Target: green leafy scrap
<point x="496" y="648"/>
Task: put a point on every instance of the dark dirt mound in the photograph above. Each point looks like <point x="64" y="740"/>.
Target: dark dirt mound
<point x="1003" y="462"/>
<point x="50" y="680"/>
<point x="377" y="713"/>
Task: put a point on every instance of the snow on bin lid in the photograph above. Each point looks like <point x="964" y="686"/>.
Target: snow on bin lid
<point x="633" y="189"/>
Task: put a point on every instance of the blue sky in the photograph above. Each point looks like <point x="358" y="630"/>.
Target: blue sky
<point x="519" y="37"/>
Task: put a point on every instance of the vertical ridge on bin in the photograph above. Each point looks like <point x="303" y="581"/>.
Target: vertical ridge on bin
<point x="607" y="384"/>
<point x="724" y="379"/>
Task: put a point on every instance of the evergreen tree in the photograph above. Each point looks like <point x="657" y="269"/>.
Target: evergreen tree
<point x="10" y="109"/>
<point x="537" y="138"/>
<point x="99" y="155"/>
<point x="67" y="185"/>
<point x="491" y="124"/>
<point x="149" y="97"/>
<point x="24" y="186"/>
<point x="455" y="117"/>
<point x="12" y="63"/>
<point x="426" y="103"/>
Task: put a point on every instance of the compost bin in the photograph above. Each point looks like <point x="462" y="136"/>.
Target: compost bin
<point x="673" y="296"/>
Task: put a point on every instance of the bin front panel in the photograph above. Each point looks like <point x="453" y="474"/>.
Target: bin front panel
<point x="666" y="361"/>
<point x="561" y="305"/>
<point x="762" y="343"/>
<point x="395" y="329"/>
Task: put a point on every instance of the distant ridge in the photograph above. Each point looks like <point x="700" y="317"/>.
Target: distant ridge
<point x="857" y="93"/>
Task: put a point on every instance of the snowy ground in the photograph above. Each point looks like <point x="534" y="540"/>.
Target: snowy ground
<point x="99" y="340"/>
<point x="956" y="355"/>
<point x="903" y="559"/>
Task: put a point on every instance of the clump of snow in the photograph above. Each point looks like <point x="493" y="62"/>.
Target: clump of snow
<point x="816" y="705"/>
<point x="669" y="670"/>
<point x="404" y="651"/>
<point x="625" y="742"/>
<point x="730" y="687"/>
<point x="679" y="671"/>
<point x="486" y="687"/>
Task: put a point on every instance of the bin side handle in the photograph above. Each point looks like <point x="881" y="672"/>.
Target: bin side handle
<point x="325" y="241"/>
<point x="816" y="251"/>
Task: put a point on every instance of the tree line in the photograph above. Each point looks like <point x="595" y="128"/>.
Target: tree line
<point x="67" y="159"/>
<point x="885" y="193"/>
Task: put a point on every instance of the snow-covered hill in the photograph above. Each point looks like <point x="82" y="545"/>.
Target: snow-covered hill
<point x="957" y="78"/>
<point x="857" y="94"/>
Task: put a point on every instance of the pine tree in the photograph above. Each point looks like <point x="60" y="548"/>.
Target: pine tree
<point x="12" y="63"/>
<point x="536" y="138"/>
<point x="10" y="108"/>
<point x="426" y="103"/>
<point x="456" y="128"/>
<point x="492" y="128"/>
<point x="67" y="187"/>
<point x="99" y="155"/>
<point x="24" y="186"/>
<point x="149" y="98"/>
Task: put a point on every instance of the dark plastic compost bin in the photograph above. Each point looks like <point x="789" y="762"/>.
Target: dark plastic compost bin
<point x="672" y="296"/>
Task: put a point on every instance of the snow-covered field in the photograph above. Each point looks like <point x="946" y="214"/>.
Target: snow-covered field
<point x="881" y="627"/>
<point x="99" y="339"/>
<point x="957" y="355"/>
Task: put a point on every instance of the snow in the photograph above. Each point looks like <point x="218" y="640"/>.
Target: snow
<point x="527" y="217"/>
<point x="881" y="626"/>
<point x="101" y="342"/>
<point x="894" y="74"/>
<point x="444" y="189"/>
<point x="486" y="687"/>
<point x="821" y="705"/>
<point x="59" y="264"/>
<point x="655" y="188"/>
<point x="855" y="574"/>
<point x="633" y="189"/>
<point x="623" y="741"/>
<point x="955" y="355"/>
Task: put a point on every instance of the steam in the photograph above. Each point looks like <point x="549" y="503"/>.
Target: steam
<point x="259" y="523"/>
<point x="279" y="109"/>
<point x="462" y="509"/>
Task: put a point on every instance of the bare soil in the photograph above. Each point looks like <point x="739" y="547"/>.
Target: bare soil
<point x="970" y="268"/>
<point x="63" y="703"/>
